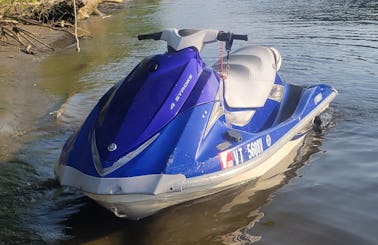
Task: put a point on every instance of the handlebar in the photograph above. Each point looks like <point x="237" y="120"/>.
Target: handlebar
<point x="154" y="36"/>
<point x="179" y="39"/>
<point x="229" y="37"/>
<point x="240" y="37"/>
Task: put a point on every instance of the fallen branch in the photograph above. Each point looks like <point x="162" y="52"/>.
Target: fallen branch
<point x="10" y="30"/>
<point x="57" y="16"/>
<point x="55" y="28"/>
<point x="32" y="36"/>
<point x="76" y="37"/>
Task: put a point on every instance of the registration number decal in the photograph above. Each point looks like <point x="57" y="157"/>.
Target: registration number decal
<point x="243" y="153"/>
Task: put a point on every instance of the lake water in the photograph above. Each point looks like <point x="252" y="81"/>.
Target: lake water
<point x="328" y="194"/>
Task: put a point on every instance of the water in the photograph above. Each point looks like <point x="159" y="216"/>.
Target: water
<point x="327" y="195"/>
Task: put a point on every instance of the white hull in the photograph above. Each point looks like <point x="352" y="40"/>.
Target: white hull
<point x="137" y="206"/>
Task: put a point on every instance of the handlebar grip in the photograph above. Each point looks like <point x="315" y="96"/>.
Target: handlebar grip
<point x="240" y="37"/>
<point x="224" y="36"/>
<point x="228" y="36"/>
<point x="154" y="36"/>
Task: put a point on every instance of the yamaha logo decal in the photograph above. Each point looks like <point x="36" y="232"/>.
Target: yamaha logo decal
<point x="112" y="147"/>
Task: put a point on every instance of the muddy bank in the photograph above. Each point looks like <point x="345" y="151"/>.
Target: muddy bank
<point x="19" y="83"/>
<point x="37" y="28"/>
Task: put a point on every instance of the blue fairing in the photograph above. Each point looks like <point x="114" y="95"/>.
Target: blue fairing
<point x="77" y="150"/>
<point x="311" y="97"/>
<point x="174" y="149"/>
<point x="174" y="145"/>
<point x="144" y="106"/>
<point x="140" y="103"/>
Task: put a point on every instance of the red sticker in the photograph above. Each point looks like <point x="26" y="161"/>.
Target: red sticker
<point x="226" y="159"/>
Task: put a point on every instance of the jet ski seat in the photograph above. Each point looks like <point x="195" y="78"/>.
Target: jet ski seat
<point x="249" y="81"/>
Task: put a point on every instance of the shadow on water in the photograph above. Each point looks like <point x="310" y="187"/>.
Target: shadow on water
<point x="227" y="217"/>
<point x="33" y="205"/>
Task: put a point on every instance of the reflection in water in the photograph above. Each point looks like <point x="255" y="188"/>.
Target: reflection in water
<point x="269" y="183"/>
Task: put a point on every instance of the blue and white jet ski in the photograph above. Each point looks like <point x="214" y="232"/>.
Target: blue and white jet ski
<point x="176" y="129"/>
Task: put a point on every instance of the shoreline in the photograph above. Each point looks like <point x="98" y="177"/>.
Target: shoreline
<point x="12" y="58"/>
<point x="56" y="38"/>
<point x="18" y="82"/>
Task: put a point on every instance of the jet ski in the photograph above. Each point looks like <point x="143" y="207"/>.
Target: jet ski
<point x="176" y="129"/>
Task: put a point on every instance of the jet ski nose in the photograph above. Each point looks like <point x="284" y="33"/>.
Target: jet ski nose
<point x="145" y="102"/>
<point x="105" y="164"/>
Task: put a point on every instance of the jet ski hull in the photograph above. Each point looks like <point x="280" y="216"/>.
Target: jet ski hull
<point x="138" y="206"/>
<point x="146" y="195"/>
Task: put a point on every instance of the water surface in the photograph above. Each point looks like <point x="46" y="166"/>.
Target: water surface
<point x="326" y="196"/>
